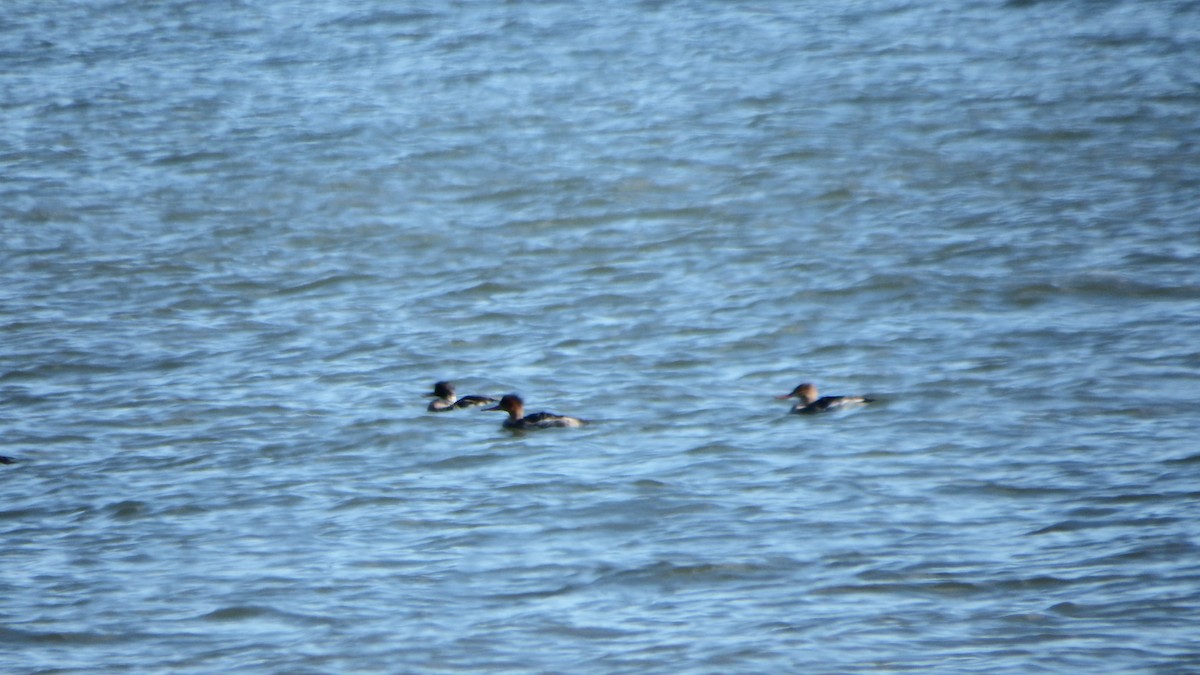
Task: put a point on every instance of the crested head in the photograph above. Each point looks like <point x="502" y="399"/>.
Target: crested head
<point x="511" y="404"/>
<point x="442" y="390"/>
<point x="807" y="393"/>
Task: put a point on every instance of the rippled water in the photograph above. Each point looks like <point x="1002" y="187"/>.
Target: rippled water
<point x="241" y="240"/>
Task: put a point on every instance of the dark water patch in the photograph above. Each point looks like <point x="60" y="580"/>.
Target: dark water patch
<point x="920" y="589"/>
<point x="715" y="449"/>
<point x="526" y="596"/>
<point x="355" y="503"/>
<point x="489" y="288"/>
<point x="1115" y="285"/>
<point x="552" y="487"/>
<point x="185" y="511"/>
<point x="76" y="638"/>
<point x="27" y="514"/>
<point x="252" y="613"/>
<point x="1010" y="490"/>
<point x="1169" y="548"/>
<point x="1034" y="584"/>
<point x="1146" y="497"/>
<point x="1077" y="525"/>
<point x="59" y="370"/>
<point x="665" y="573"/>
<point x="190" y="158"/>
<point x="127" y="510"/>
<point x="327" y="284"/>
<point x="598" y="633"/>
<point x="1093" y="512"/>
<point x="386" y="18"/>
<point x="466" y="462"/>
<point x="33" y="439"/>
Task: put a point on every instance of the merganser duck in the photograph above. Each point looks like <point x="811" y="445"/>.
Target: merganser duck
<point x="517" y="419"/>
<point x="810" y="403"/>
<point x="445" y="399"/>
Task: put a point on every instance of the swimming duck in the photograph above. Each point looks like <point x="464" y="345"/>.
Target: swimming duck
<point x="811" y="403"/>
<point x="517" y="419"/>
<point x="445" y="399"/>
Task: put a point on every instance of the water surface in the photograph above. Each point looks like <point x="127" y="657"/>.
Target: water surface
<point x="241" y="240"/>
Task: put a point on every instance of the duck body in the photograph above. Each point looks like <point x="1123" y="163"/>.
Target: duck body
<point x="445" y="399"/>
<point x="811" y="402"/>
<point x="517" y="419"/>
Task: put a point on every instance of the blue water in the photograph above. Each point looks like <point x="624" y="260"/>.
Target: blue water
<point x="241" y="240"/>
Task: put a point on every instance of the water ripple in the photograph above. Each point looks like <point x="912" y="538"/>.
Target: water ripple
<point x="242" y="242"/>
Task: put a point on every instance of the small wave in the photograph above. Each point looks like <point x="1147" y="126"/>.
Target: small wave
<point x="1039" y="583"/>
<point x="939" y="588"/>
<point x="12" y="635"/>
<point x="327" y="282"/>
<point x="466" y="461"/>
<point x="256" y="612"/>
<point x="665" y="572"/>
<point x="1077" y="525"/>
<point x="1099" y="284"/>
<point x="190" y="158"/>
<point x="381" y="18"/>
<point x="127" y="510"/>
<point x="355" y="503"/>
<point x="59" y="370"/>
